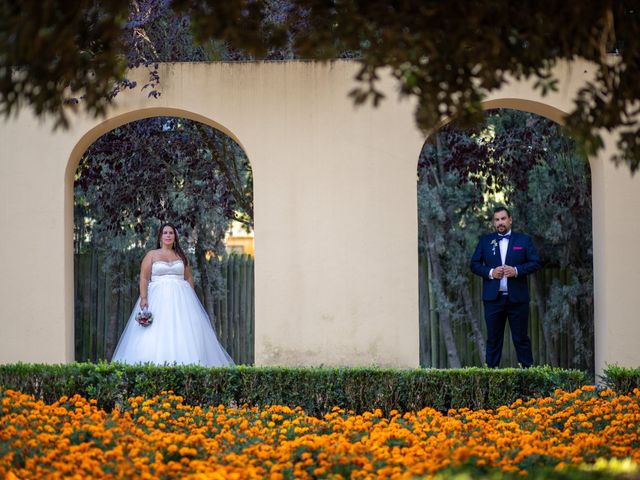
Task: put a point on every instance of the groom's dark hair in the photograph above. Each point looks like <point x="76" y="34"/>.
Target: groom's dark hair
<point x="501" y="208"/>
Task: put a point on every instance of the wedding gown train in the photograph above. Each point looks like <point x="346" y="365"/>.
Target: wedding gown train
<point x="181" y="332"/>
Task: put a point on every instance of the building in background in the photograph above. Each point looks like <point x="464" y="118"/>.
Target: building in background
<point x="238" y="240"/>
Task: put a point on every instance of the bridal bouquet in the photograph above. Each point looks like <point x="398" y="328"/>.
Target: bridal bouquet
<point x="144" y="318"/>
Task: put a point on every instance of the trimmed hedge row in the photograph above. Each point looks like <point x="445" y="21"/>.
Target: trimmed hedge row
<point x="621" y="379"/>
<point x="316" y="390"/>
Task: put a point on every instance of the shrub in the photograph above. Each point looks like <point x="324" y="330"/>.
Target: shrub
<point x="621" y="379"/>
<point x="316" y="390"/>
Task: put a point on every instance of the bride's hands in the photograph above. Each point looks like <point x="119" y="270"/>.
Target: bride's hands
<point x="143" y="303"/>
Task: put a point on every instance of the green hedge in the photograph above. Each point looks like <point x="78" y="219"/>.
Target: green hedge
<point x="316" y="390"/>
<point x="621" y="379"/>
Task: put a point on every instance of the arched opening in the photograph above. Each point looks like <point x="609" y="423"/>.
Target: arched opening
<point x="128" y="180"/>
<point x="522" y="160"/>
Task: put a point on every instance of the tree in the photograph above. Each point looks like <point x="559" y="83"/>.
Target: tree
<point x="449" y="206"/>
<point x="445" y="54"/>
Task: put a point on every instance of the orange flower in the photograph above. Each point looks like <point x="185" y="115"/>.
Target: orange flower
<point x="162" y="437"/>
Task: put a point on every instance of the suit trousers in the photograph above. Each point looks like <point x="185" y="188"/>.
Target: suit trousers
<point x="496" y="314"/>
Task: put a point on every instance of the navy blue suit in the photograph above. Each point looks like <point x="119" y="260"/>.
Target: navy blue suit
<point x="514" y="306"/>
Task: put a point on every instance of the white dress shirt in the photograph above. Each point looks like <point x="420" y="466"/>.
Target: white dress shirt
<point x="503" y="244"/>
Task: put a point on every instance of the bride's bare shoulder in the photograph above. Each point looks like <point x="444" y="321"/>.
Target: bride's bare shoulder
<point x="151" y="255"/>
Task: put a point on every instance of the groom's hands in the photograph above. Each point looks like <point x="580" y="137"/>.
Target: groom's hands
<point x="497" y="273"/>
<point x="504" y="271"/>
<point x="509" y="271"/>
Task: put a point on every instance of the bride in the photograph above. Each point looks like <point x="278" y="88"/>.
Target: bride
<point x="181" y="332"/>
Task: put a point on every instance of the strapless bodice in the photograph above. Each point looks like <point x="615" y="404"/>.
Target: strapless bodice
<point x="161" y="270"/>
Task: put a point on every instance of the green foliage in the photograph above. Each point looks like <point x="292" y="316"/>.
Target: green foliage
<point x="49" y="52"/>
<point x="161" y="169"/>
<point x="316" y="390"/>
<point x="621" y="379"/>
<point x="448" y="55"/>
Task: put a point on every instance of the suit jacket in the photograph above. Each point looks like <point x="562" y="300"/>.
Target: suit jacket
<point x="520" y="254"/>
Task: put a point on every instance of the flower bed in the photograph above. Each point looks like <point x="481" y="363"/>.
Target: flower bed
<point x="162" y="437"/>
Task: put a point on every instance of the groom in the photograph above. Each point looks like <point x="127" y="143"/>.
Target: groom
<point x="503" y="260"/>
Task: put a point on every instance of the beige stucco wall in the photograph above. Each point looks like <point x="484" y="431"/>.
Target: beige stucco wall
<point x="323" y="171"/>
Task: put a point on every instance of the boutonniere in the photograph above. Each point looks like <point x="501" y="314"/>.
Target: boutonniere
<point x="494" y="244"/>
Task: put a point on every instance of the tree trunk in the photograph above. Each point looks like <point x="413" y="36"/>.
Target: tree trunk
<point x="584" y="324"/>
<point x="205" y="284"/>
<point x="552" y="351"/>
<point x="475" y="325"/>
<point x="425" y="334"/>
<point x="443" y="313"/>
<point x="112" y="325"/>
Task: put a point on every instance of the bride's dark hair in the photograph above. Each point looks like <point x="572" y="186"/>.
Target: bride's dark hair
<point x="176" y="243"/>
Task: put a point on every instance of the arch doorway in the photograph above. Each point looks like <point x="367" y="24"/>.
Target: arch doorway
<point x="524" y="161"/>
<point x="126" y="183"/>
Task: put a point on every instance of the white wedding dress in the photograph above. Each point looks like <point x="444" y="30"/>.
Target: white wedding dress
<point x="180" y="333"/>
